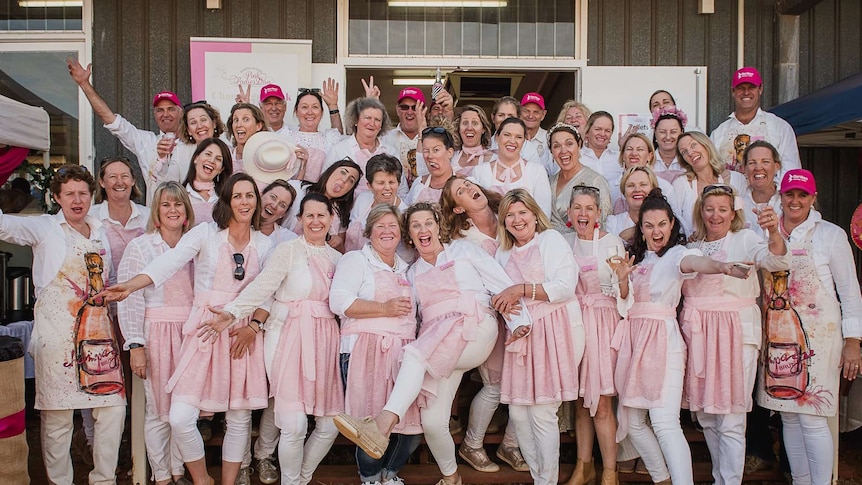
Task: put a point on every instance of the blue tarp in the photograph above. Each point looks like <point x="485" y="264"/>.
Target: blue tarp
<point x="833" y="105"/>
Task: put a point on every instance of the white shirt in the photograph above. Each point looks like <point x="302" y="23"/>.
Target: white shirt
<point x="141" y="142"/>
<point x="402" y="143"/>
<point x="751" y="217"/>
<point x="687" y="191"/>
<point x="764" y="126"/>
<point x="617" y="223"/>
<point x="45" y="235"/>
<point x="834" y="260"/>
<point x="540" y="145"/>
<point x="280" y="235"/>
<point x="659" y="166"/>
<point x="528" y="151"/>
<point x="475" y="271"/>
<point x="533" y="179"/>
<point x="608" y="164"/>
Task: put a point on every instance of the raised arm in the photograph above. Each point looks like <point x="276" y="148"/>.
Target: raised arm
<point x="81" y="76"/>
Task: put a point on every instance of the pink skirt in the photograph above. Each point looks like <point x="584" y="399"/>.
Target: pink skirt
<point x="374" y="364"/>
<point x="542" y="368"/>
<point x="164" y="341"/>
<point x="209" y="379"/>
<point x="597" y="367"/>
<point x="305" y="375"/>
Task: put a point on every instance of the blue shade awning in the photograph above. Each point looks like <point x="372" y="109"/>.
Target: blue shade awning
<point x="828" y="117"/>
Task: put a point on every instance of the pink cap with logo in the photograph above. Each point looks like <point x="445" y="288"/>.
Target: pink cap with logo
<point x="173" y="98"/>
<point x="746" y="75"/>
<point x="798" y="178"/>
<point x="271" y="90"/>
<point x="533" y="98"/>
<point x="412" y="93"/>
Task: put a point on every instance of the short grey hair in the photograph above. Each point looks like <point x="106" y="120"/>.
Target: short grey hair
<point x="357" y="106"/>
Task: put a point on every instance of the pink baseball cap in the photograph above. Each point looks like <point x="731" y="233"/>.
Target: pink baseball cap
<point x="173" y="98"/>
<point x="746" y="75"/>
<point x="798" y="178"/>
<point x="533" y="98"/>
<point x="271" y="90"/>
<point x="412" y="93"/>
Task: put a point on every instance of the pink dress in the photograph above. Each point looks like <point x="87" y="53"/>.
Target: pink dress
<point x="375" y="358"/>
<point x="601" y="317"/>
<point x="711" y="326"/>
<point x="540" y="368"/>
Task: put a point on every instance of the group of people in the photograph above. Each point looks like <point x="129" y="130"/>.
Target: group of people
<point x="357" y="277"/>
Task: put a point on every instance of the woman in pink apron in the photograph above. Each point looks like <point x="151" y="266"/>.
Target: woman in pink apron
<point x="338" y="183"/>
<point x="470" y="213"/>
<point x="635" y="184"/>
<point x="276" y="199"/>
<point x="721" y="325"/>
<point x="509" y="170"/>
<point x="211" y="166"/>
<point x="371" y="294"/>
<point x="152" y="323"/>
<point x="301" y="340"/>
<point x="540" y="365"/>
<point x="453" y="284"/>
<point x="221" y="367"/>
<point x="637" y="151"/>
<point x="565" y="144"/>
<point x="245" y="120"/>
<point x="437" y="150"/>
<point x="650" y="348"/>
<point x="474" y="130"/>
<point x="382" y="175"/>
<point x="366" y="121"/>
<point x="762" y="162"/>
<point x="308" y="111"/>
<point x="73" y="344"/>
<point x="597" y="291"/>
<point x="812" y="330"/>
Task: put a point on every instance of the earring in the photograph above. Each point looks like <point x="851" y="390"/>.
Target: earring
<point x="158" y="225"/>
<point x="185" y="223"/>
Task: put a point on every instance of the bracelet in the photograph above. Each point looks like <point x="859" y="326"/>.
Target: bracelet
<point x="533" y="296"/>
<point x="333" y="112"/>
<point x="525" y="289"/>
<point x="259" y="325"/>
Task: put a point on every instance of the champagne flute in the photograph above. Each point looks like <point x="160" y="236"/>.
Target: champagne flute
<point x="758" y="208"/>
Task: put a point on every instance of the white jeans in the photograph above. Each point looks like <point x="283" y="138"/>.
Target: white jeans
<point x="664" y="442"/>
<point x="482" y="412"/>
<point x="537" y="427"/>
<point x="725" y="433"/>
<point x="809" y="446"/>
<point x="435" y="418"/>
<point x="56" y="433"/>
<point x="298" y="457"/>
<point x="267" y="433"/>
<point x="185" y="432"/>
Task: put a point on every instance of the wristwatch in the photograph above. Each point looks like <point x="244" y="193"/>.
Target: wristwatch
<point x="135" y="346"/>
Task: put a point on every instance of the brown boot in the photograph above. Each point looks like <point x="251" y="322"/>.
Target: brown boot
<point x="609" y="477"/>
<point x="584" y="474"/>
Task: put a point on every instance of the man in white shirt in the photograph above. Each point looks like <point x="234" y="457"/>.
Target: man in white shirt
<point x="749" y="123"/>
<point x="532" y="113"/>
<point x="405" y="137"/>
<point x="274" y="107"/>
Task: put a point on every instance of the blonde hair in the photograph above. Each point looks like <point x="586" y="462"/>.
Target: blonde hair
<point x="378" y="212"/>
<point x="173" y="191"/>
<point x="507" y="241"/>
<point x="653" y="180"/>
<point x="650" y="149"/>
<point x="714" y="160"/>
<point x="573" y="104"/>
<point x="716" y="190"/>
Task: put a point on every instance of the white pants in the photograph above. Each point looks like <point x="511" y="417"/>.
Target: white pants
<point x="56" y="433"/>
<point x="435" y="418"/>
<point x="725" y="433"/>
<point x="298" y="457"/>
<point x="162" y="452"/>
<point x="626" y="450"/>
<point x="663" y="442"/>
<point x="185" y="432"/>
<point x="482" y="412"/>
<point x="267" y="433"/>
<point x="809" y="446"/>
<point x="537" y="427"/>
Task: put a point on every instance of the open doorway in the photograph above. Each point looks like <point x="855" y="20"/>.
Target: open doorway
<point x="480" y="86"/>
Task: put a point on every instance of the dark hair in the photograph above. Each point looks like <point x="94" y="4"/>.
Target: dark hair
<point x="434" y="209"/>
<point x="307" y="92"/>
<point x="487" y="127"/>
<point x="666" y="116"/>
<point x="455" y="223"/>
<point x="286" y="186"/>
<point x="655" y="201"/>
<point x="385" y="163"/>
<point x="500" y="102"/>
<point x="218" y="126"/>
<point x="256" y="112"/>
<point x="72" y="172"/>
<point x="315" y="197"/>
<point x="762" y="144"/>
<point x="512" y="121"/>
<point x="566" y="128"/>
<point x="446" y="134"/>
<point x="222" y="213"/>
<point x="660" y="91"/>
<point x="101" y="195"/>
<point x="344" y="204"/>
<point x="226" y="163"/>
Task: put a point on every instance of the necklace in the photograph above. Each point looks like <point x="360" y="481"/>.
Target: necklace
<point x="393" y="266"/>
<point x="784" y="233"/>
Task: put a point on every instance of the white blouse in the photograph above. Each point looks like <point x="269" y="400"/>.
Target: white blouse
<point x="618" y="223"/>
<point x="687" y="192"/>
<point x="608" y="164"/>
<point x="533" y="179"/>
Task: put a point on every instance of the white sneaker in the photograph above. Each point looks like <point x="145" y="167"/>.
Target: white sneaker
<point x="266" y="471"/>
<point x="372" y="483"/>
<point x="396" y="480"/>
<point x="244" y="477"/>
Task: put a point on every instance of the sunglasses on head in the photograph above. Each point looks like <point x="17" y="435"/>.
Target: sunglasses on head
<point x="64" y="170"/>
<point x="239" y="271"/>
<point x="407" y="107"/>
<point x="585" y="188"/>
<point x="727" y="189"/>
<point x="196" y="104"/>
<point x="304" y="91"/>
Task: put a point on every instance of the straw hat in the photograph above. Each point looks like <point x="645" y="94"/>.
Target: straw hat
<point x="268" y="156"/>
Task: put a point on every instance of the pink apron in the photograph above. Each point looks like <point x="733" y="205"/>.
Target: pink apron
<point x="715" y="373"/>
<point x="375" y="359"/>
<point x="305" y="375"/>
<point x="600" y="316"/>
<point x="355" y="238"/>
<point x="206" y="376"/>
<point x="540" y="368"/>
<point x="428" y="193"/>
<point x="313" y="143"/>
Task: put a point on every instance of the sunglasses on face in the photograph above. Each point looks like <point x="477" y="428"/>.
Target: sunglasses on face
<point x="239" y="271"/>
<point x="407" y="107"/>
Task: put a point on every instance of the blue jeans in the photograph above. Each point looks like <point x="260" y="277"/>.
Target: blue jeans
<point x="401" y="446"/>
<point x="344" y="363"/>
